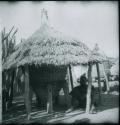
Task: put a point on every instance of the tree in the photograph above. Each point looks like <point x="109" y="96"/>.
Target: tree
<point x="8" y="41"/>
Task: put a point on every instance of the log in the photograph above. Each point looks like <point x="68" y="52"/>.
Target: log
<point x="71" y="77"/>
<point x="106" y="79"/>
<point x="88" y="101"/>
<point x="67" y="88"/>
<point x="67" y="79"/>
<point x="27" y="92"/>
<point x="0" y="79"/>
<point x="99" y="83"/>
<point x="66" y="93"/>
<point x="49" y="99"/>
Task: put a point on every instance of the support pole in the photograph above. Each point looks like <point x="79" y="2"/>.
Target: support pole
<point x="49" y="99"/>
<point x="66" y="93"/>
<point x="27" y="92"/>
<point x="106" y="79"/>
<point x="66" y="86"/>
<point x="88" y="101"/>
<point x="71" y="78"/>
<point x="99" y="83"/>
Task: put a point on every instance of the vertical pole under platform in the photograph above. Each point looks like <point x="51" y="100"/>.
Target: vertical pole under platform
<point x="27" y="92"/>
<point x="66" y="87"/>
<point x="99" y="83"/>
<point x="71" y="78"/>
<point x="106" y="79"/>
<point x="49" y="99"/>
<point x="88" y="101"/>
<point x="66" y="93"/>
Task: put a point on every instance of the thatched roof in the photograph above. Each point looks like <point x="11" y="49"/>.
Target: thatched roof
<point x="97" y="55"/>
<point x="48" y="46"/>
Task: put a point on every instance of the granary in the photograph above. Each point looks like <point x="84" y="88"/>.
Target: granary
<point x="46" y="58"/>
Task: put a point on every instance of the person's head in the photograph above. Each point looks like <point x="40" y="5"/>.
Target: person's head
<point x="83" y="79"/>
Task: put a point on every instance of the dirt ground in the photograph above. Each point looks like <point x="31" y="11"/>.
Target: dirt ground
<point x="107" y="112"/>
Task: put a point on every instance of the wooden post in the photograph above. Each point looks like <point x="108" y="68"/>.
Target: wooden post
<point x="71" y="78"/>
<point x="106" y="79"/>
<point x="0" y="79"/>
<point x="66" y="93"/>
<point x="88" y="101"/>
<point x="66" y="87"/>
<point x="99" y="83"/>
<point x="49" y="99"/>
<point x="27" y="92"/>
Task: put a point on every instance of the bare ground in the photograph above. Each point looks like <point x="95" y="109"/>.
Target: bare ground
<point x="107" y="112"/>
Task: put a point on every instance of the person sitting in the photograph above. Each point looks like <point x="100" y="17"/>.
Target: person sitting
<point x="79" y="93"/>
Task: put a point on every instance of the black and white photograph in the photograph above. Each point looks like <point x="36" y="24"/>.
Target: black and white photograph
<point x="59" y="62"/>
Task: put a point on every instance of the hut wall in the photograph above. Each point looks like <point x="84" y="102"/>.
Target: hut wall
<point x="41" y="76"/>
<point x="45" y="75"/>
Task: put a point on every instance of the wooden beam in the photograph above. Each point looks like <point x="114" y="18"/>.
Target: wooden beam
<point x="88" y="101"/>
<point x="67" y="79"/>
<point x="66" y="94"/>
<point x="49" y="99"/>
<point x="106" y="79"/>
<point x="99" y="83"/>
<point x="71" y="77"/>
<point x="27" y="92"/>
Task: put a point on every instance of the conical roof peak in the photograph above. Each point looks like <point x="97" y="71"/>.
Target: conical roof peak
<point x="96" y="48"/>
<point x="44" y="17"/>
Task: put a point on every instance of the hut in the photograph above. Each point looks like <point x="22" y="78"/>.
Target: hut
<point x="45" y="58"/>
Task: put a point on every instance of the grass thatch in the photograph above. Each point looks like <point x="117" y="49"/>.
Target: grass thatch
<point x="97" y="55"/>
<point x="49" y="46"/>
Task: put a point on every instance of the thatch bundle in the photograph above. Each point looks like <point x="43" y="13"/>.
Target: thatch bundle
<point x="48" y="46"/>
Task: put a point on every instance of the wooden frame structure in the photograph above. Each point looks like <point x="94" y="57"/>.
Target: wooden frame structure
<point x="28" y="89"/>
<point x="66" y="91"/>
<point x="88" y="103"/>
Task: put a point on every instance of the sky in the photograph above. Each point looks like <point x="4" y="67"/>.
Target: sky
<point x="89" y="22"/>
